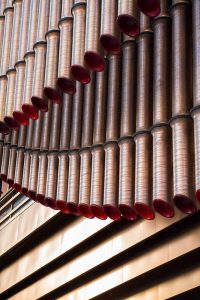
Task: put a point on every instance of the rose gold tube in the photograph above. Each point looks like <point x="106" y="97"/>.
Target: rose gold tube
<point x="196" y="52"/>
<point x="19" y="170"/>
<point x="46" y="127"/>
<point x="26" y="172"/>
<point x="126" y="179"/>
<point x="85" y="183"/>
<point x="77" y="108"/>
<point x="183" y="163"/>
<point x="26" y="5"/>
<point x="32" y="26"/>
<point x="51" y="183"/>
<point x="42" y="177"/>
<point x="150" y="8"/>
<point x="111" y="178"/>
<point x="7" y="138"/>
<point x="79" y="69"/>
<point x="4" y="163"/>
<point x="32" y="186"/>
<point x="43" y="20"/>
<point x="145" y="23"/>
<point x="22" y="136"/>
<point x="2" y="6"/>
<point x="11" y="166"/>
<point x="128" y="86"/>
<point x="162" y="171"/>
<point x="61" y="195"/>
<point x="3" y="85"/>
<point x="93" y="53"/>
<point x="113" y="100"/>
<point x="55" y="127"/>
<point x="99" y="128"/>
<point x="109" y="36"/>
<point x="37" y="132"/>
<point x="97" y="183"/>
<point x="65" y="130"/>
<point x="88" y="112"/>
<point x="29" y="135"/>
<point x="54" y="14"/>
<point x="143" y="176"/>
<point x="196" y="117"/>
<point x="14" y="138"/>
<point x="181" y="60"/>
<point x="73" y="183"/>
<point x="2" y="22"/>
<point x="128" y="17"/>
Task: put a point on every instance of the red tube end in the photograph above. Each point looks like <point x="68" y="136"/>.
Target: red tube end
<point x="41" y="199"/>
<point x="185" y="204"/>
<point x="52" y="95"/>
<point x="51" y="203"/>
<point x="94" y="61"/>
<point x="30" y="111"/>
<point x="32" y="194"/>
<point x="163" y="208"/>
<point x="17" y="187"/>
<point x="112" y="212"/>
<point x="11" y="123"/>
<point x="21" y="118"/>
<point x="24" y="191"/>
<point x="85" y="211"/>
<point x="198" y="195"/>
<point x="127" y="212"/>
<point x="4" y="128"/>
<point x="110" y="44"/>
<point x="10" y="182"/>
<point x="150" y="8"/>
<point x="80" y="74"/>
<point x="144" y="211"/>
<point x="40" y="103"/>
<point x="128" y="25"/>
<point x="3" y="177"/>
<point x="98" y="212"/>
<point x="66" y="85"/>
<point x="73" y="208"/>
<point x="62" y="205"/>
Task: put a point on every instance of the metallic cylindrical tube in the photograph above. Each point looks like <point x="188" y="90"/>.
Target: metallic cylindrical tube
<point x="93" y="53"/>
<point x="51" y="183"/>
<point x="143" y="176"/>
<point x="5" y="57"/>
<point x="196" y="51"/>
<point x="2" y="22"/>
<point x="111" y="184"/>
<point x="39" y="102"/>
<point x="61" y="194"/>
<point x="183" y="164"/>
<point x="79" y="68"/>
<point x="26" y="172"/>
<point x="7" y="138"/>
<point x="85" y="183"/>
<point x="77" y="108"/>
<point x="10" y="97"/>
<point x="29" y="135"/>
<point x="2" y="6"/>
<point x="65" y="130"/>
<point x="66" y="8"/>
<point x="196" y="117"/>
<point x="32" y="26"/>
<point x="54" y="14"/>
<point x="162" y="171"/>
<point x="99" y="128"/>
<point x="113" y="99"/>
<point x="145" y="23"/>
<point x="14" y="138"/>
<point x="128" y="88"/>
<point x="32" y="186"/>
<point x="22" y="136"/>
<point x="42" y="177"/>
<point x="37" y="132"/>
<point x="55" y="127"/>
<point x="11" y="166"/>
<point x="181" y="59"/>
<point x="110" y="35"/>
<point x="126" y="179"/>
<point x="19" y="170"/>
<point x="97" y="183"/>
<point x="5" y="162"/>
<point x="43" y="20"/>
<point x="150" y="8"/>
<point x="88" y="112"/>
<point x="4" y="129"/>
<point x="26" y="14"/>
<point x="73" y="183"/>
<point x="128" y="16"/>
<point x="46" y="128"/>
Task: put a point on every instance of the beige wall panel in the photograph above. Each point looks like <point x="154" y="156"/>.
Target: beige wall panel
<point x="8" y="235"/>
<point x="150" y="294"/>
<point x="44" y="214"/>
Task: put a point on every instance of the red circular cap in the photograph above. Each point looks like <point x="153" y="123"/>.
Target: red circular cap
<point x="112" y="212"/>
<point x="110" y="44"/>
<point x="150" y="8"/>
<point x="51" y="203"/>
<point x="80" y="74"/>
<point x="10" y="182"/>
<point x="4" y="128"/>
<point x="30" y="111"/>
<point x="185" y="204"/>
<point x="66" y="85"/>
<point x="98" y="212"/>
<point x="24" y="191"/>
<point x="52" y="95"/>
<point x="127" y="212"/>
<point x="21" y="118"/>
<point x="144" y="211"/>
<point x="163" y="208"/>
<point x="198" y="195"/>
<point x="62" y="205"/>
<point x="94" y="61"/>
<point x="11" y="123"/>
<point x="41" y="199"/>
<point x="85" y="211"/>
<point x="32" y="194"/>
<point x="3" y="177"/>
<point x="17" y="187"/>
<point x="39" y="103"/>
<point x="73" y="208"/>
<point x="128" y="25"/>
